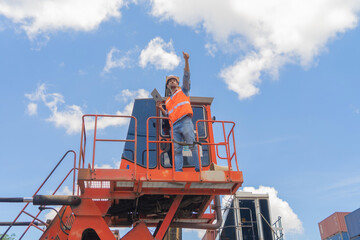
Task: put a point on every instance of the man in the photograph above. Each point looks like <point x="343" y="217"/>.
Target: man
<point x="179" y="110"/>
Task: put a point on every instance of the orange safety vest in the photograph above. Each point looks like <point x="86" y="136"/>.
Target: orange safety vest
<point x="178" y="105"/>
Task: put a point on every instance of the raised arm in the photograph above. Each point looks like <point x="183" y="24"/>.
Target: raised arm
<point x="186" y="58"/>
<point x="186" y="77"/>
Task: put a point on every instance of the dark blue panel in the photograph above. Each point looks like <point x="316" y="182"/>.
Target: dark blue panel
<point x="143" y="109"/>
<point x="228" y="231"/>
<point x="248" y="217"/>
<point x="353" y="223"/>
<point x="264" y="210"/>
<point x="199" y="114"/>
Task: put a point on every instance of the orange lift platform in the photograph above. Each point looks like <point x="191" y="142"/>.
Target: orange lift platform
<point x="145" y="191"/>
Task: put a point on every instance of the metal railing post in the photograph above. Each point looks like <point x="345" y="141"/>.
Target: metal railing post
<point x="93" y="157"/>
<point x="156" y="141"/>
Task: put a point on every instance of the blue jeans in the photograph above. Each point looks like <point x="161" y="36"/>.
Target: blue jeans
<point x="184" y="131"/>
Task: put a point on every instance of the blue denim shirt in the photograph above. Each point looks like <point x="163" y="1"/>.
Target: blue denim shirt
<point x="186" y="83"/>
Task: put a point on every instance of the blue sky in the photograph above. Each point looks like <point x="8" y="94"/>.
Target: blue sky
<point x="285" y="71"/>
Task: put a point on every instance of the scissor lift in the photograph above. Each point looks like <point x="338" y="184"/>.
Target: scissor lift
<point x="146" y="191"/>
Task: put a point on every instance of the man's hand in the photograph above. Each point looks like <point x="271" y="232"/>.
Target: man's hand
<point x="159" y="106"/>
<point x="186" y="56"/>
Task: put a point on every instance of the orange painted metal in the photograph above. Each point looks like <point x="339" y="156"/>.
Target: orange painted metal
<point x="103" y="206"/>
<point x="54" y="228"/>
<point x="132" y="181"/>
<point x="205" y="205"/>
<point x="83" y="137"/>
<point x="89" y="216"/>
<point x="87" y="222"/>
<point x="210" y="235"/>
<point x="99" y="189"/>
<point x="226" y="143"/>
<point x="94" y="144"/>
<point x="162" y="175"/>
<point x="211" y="135"/>
<point x="157" y="141"/>
<point x="169" y="217"/>
<point x="140" y="188"/>
<point x="140" y="231"/>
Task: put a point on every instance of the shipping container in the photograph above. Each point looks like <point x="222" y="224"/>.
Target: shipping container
<point x="339" y="236"/>
<point x="353" y="224"/>
<point x="333" y="224"/>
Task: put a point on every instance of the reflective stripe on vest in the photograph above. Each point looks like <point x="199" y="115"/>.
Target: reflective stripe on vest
<point x="178" y="105"/>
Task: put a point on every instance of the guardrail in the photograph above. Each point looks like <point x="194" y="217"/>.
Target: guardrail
<point x="226" y="143"/>
<point x="83" y="138"/>
<point x="228" y="136"/>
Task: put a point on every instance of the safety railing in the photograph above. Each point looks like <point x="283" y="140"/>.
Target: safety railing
<point x="35" y="218"/>
<point x="158" y="141"/>
<point x="95" y="140"/>
<point x="229" y="156"/>
<point x="277" y="229"/>
<point x="226" y="143"/>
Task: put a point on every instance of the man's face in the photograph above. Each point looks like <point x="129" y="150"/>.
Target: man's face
<point x="172" y="83"/>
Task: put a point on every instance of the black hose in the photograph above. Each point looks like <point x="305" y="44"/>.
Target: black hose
<point x="186" y="144"/>
<point x="60" y="217"/>
<point x="17" y="199"/>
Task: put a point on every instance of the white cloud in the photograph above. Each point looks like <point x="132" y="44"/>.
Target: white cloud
<point x="160" y="54"/>
<point x="116" y="164"/>
<point x="82" y="72"/>
<point x="276" y="32"/>
<point x="113" y="60"/>
<point x="69" y="117"/>
<point x="65" y="191"/>
<point x="278" y="207"/>
<point x="104" y="166"/>
<point x="42" y="16"/>
<point x="211" y="49"/>
<point x="127" y="95"/>
<point x="31" y="109"/>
